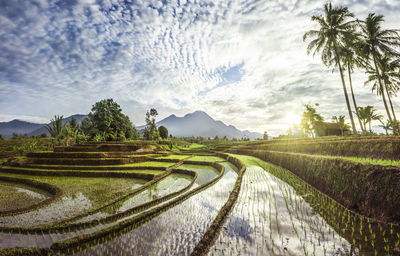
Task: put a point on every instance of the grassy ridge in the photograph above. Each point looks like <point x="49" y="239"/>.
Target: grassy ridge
<point x="367" y="147"/>
<point x="213" y="230"/>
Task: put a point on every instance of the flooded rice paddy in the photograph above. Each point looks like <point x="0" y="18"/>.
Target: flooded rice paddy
<point x="275" y="214"/>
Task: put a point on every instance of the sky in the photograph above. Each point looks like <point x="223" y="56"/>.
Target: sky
<point x="242" y="61"/>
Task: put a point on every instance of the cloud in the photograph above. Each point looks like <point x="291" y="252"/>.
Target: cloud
<point x="243" y="62"/>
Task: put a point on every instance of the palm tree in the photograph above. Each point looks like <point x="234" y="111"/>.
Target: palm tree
<point x="376" y="42"/>
<point x="390" y="77"/>
<point x="367" y="115"/>
<point x="387" y="126"/>
<point x="55" y="127"/>
<point x="341" y="122"/>
<point x="335" y="28"/>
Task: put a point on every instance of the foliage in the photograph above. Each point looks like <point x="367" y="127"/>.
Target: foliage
<point x="311" y="120"/>
<point x="376" y="43"/>
<point x="265" y="136"/>
<point x="163" y="131"/>
<point x="335" y="30"/>
<point x="2" y="137"/>
<point x="367" y="115"/>
<point x="341" y="122"/>
<point x="150" y="131"/>
<point x="55" y="127"/>
<point x="107" y="122"/>
<point x="73" y="124"/>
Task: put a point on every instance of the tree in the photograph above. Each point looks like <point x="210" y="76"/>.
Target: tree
<point x="341" y="122"/>
<point x="387" y="126"/>
<point x="390" y="76"/>
<point x="107" y="120"/>
<point x="311" y="120"/>
<point x="377" y="42"/>
<point x="265" y="137"/>
<point x="73" y="124"/>
<point x="351" y="60"/>
<point x="150" y="131"/>
<point x="367" y="115"/>
<point x="163" y="131"/>
<point x="335" y="29"/>
<point x="55" y="127"/>
<point x="2" y="137"/>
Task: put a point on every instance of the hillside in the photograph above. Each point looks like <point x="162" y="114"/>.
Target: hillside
<point x="24" y="127"/>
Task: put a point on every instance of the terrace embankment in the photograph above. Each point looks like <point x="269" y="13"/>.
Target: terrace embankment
<point x="371" y="190"/>
<point x="368" y="147"/>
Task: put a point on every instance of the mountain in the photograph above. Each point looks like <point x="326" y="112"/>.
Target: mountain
<point x="201" y="124"/>
<point x="23" y="127"/>
<point x="17" y="126"/>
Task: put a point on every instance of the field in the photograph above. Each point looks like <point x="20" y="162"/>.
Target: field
<point x="279" y="197"/>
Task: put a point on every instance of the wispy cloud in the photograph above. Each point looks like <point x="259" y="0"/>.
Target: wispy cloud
<point x="243" y="62"/>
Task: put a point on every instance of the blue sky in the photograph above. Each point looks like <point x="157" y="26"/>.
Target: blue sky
<point x="243" y="62"/>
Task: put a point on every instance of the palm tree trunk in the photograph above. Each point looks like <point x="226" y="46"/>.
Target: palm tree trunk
<point x="391" y="106"/>
<point x="354" y="98"/>
<point x="383" y="93"/>
<point x="345" y="92"/>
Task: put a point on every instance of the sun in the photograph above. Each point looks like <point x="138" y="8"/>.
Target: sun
<point x="292" y="118"/>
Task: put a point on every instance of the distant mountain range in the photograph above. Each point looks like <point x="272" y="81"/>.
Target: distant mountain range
<point x="201" y="124"/>
<point x="28" y="128"/>
<point x="195" y="124"/>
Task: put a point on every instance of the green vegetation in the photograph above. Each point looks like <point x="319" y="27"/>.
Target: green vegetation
<point x="96" y="190"/>
<point x="341" y="123"/>
<point x="106" y="122"/>
<point x="347" y="42"/>
<point x="103" y="202"/>
<point x="311" y="121"/>
<point x="55" y="128"/>
<point x="192" y="146"/>
<point x="207" y="159"/>
<point x="14" y="196"/>
<point x="163" y="131"/>
<point x="150" y="131"/>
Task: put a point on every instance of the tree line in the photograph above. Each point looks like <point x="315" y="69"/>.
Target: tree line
<point x="105" y="122"/>
<point x="346" y="43"/>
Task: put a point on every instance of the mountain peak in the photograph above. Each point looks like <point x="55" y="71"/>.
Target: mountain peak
<point x="197" y="113"/>
<point x="199" y="123"/>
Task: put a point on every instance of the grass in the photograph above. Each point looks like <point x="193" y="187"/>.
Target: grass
<point x="363" y="160"/>
<point x="150" y="163"/>
<point x="173" y="157"/>
<point x="97" y="190"/>
<point x="15" y="196"/>
<point x="144" y="170"/>
<point x="191" y="147"/>
<point x="207" y="158"/>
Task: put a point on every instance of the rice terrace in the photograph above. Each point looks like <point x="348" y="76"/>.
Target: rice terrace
<point x="288" y="167"/>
